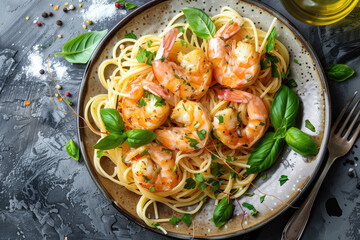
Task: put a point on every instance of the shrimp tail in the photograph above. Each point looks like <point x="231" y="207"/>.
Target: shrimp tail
<point x="166" y="44"/>
<point x="230" y="28"/>
<point x="234" y="95"/>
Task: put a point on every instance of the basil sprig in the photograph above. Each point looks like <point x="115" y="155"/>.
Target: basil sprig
<point x="80" y="48"/>
<point x="265" y="153"/>
<point x="200" y="22"/>
<point x="284" y="108"/>
<point x="114" y="124"/>
<point x="223" y="212"/>
<point x="300" y="142"/>
<point x="72" y="149"/>
<point x="339" y="72"/>
<point x="282" y="115"/>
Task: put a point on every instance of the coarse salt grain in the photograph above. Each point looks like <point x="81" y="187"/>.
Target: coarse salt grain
<point x="100" y="10"/>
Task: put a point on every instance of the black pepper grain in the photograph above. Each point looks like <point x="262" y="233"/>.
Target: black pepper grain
<point x="358" y="185"/>
<point x="121" y="6"/>
<point x="65" y="10"/>
<point x="59" y="22"/>
<point x="42" y="71"/>
<point x="50" y="14"/>
<point x="351" y="173"/>
<point x="44" y="15"/>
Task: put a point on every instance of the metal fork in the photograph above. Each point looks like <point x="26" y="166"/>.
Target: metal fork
<point x="339" y="144"/>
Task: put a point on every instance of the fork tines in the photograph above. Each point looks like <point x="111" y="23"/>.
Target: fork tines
<point x="348" y="130"/>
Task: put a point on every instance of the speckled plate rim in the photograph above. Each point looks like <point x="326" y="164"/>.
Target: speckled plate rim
<point x="322" y="150"/>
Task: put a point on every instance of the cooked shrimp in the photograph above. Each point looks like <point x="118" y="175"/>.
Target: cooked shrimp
<point x="141" y="109"/>
<point x="194" y="130"/>
<point x="226" y="122"/>
<point x="153" y="168"/>
<point x="191" y="79"/>
<point x="234" y="64"/>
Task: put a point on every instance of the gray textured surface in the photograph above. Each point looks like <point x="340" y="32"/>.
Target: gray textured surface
<point x="46" y="195"/>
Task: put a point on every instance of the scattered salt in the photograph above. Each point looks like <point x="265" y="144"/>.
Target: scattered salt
<point x="100" y="10"/>
<point x="37" y="61"/>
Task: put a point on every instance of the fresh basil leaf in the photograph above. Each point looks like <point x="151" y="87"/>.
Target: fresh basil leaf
<point x="139" y="137"/>
<point x="300" y="142"/>
<point x="265" y="153"/>
<point x="112" y="120"/>
<point x="174" y="220"/>
<point x="200" y="22"/>
<point x="284" y="108"/>
<point x="72" y="149"/>
<point x="271" y="40"/>
<point x="250" y="207"/>
<point x="130" y="35"/>
<point x="190" y="183"/>
<point x="223" y="212"/>
<point x="111" y="141"/>
<point x="280" y="132"/>
<point x="186" y="219"/>
<point x="130" y="5"/>
<point x="309" y="126"/>
<point x="339" y="72"/>
<point x="283" y="179"/>
<point x="80" y="48"/>
<point x="262" y="198"/>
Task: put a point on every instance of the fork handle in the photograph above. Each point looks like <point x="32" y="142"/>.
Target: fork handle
<point x="296" y="225"/>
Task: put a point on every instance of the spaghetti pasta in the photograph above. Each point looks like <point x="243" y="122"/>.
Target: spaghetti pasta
<point x="127" y="68"/>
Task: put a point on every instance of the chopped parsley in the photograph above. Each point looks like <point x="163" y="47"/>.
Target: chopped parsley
<point x="247" y="37"/>
<point x="145" y="56"/>
<point x="147" y="179"/>
<point x="176" y="76"/>
<point x="145" y="152"/>
<point x="250" y="207"/>
<point x="217" y="169"/>
<point x="197" y="124"/>
<point x="264" y="176"/>
<point x="157" y="142"/>
<point x="174" y="220"/>
<point x="296" y="61"/>
<point x="309" y="126"/>
<point x="262" y="198"/>
<point x="220" y="118"/>
<point x="182" y="29"/>
<point x="283" y="179"/>
<point x="193" y="142"/>
<point x="142" y="102"/>
<point x="166" y="150"/>
<point x="201" y="134"/>
<point x="261" y="124"/>
<point x="190" y="183"/>
<point x="152" y="189"/>
<point x="130" y="35"/>
<point x="186" y="219"/>
<point x="199" y="177"/>
<point x="248" y="78"/>
<point x="174" y="169"/>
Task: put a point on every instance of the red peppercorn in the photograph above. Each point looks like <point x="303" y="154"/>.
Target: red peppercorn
<point x="39" y="24"/>
<point x="67" y="94"/>
<point x="117" y="5"/>
<point x="65" y="10"/>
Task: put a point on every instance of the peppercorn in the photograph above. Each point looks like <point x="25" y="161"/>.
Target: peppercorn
<point x="351" y="172"/>
<point x="117" y="5"/>
<point x="50" y="14"/>
<point x="84" y="26"/>
<point x="71" y="7"/>
<point x="44" y="15"/>
<point x="80" y="5"/>
<point x="42" y="71"/>
<point x="58" y="87"/>
<point x="59" y="22"/>
<point x="66" y="4"/>
<point x="121" y="6"/>
<point x="68" y="94"/>
<point x="358" y="185"/>
<point x="27" y="18"/>
<point x="65" y="10"/>
<point x="89" y="22"/>
<point x="38" y="24"/>
<point x="59" y="36"/>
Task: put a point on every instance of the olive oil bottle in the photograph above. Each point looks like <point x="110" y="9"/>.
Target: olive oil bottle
<point x="319" y="12"/>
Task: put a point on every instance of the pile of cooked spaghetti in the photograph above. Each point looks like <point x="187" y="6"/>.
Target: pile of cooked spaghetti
<point x="215" y="160"/>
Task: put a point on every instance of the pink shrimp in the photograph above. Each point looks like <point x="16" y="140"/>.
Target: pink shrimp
<point x="142" y="109"/>
<point x="153" y="171"/>
<point x="190" y="78"/>
<point x="234" y="64"/>
<point x="226" y="122"/>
